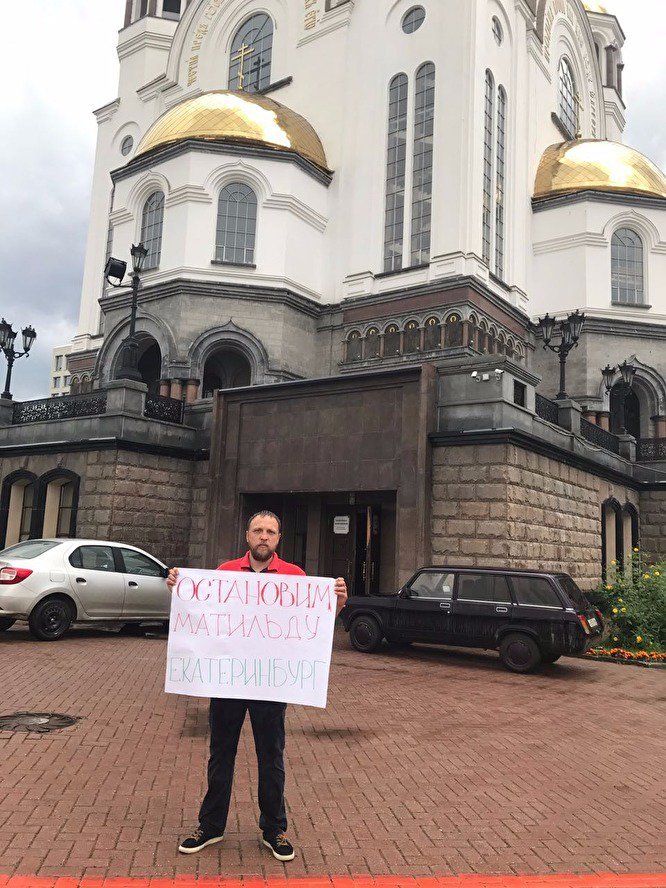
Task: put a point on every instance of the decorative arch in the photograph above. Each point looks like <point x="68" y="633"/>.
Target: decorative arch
<point x="411" y="337"/>
<point x="354" y="349"/>
<point x="238" y="171"/>
<point x="148" y="324"/>
<point x="631" y="218"/>
<point x="373" y="342"/>
<point x="233" y="338"/>
<point x="432" y="337"/>
<point x="631" y="526"/>
<point x="392" y="343"/>
<point x="141" y="191"/>
<point x="13" y="521"/>
<point x="649" y="381"/>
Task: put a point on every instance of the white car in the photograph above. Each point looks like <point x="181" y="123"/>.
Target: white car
<point x="54" y="583"/>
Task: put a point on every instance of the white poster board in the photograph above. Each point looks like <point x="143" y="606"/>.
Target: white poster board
<point x="251" y="636"/>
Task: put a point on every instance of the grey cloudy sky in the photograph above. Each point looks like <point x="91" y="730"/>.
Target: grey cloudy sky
<point x="58" y="64"/>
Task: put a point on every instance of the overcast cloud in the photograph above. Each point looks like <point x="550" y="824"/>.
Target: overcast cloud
<point x="58" y="63"/>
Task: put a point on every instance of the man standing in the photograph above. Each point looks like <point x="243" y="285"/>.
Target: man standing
<point x="267" y="718"/>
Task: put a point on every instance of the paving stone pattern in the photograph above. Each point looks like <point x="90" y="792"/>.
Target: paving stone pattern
<point x="426" y="763"/>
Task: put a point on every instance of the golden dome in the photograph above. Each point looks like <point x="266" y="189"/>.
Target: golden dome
<point x="597" y="165"/>
<point x="230" y="116"/>
<point x="593" y="6"/>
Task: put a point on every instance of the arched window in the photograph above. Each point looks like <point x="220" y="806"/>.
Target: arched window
<point x="236" y="224"/>
<point x="372" y="343"/>
<point x="225" y="368"/>
<point x="627" y="280"/>
<point x="412" y="338"/>
<point x="395" y="173"/>
<point x="488" y="140"/>
<point x="58" y="500"/>
<point x="391" y="341"/>
<point x="453" y="333"/>
<point x="75" y="386"/>
<point x="612" y="535"/>
<point x="16" y="508"/>
<point x="433" y="334"/>
<point x="474" y="332"/>
<point x="354" y="346"/>
<point x="251" y="54"/>
<point x="500" y="168"/>
<point x="625" y="411"/>
<point x="567" y="98"/>
<point x="151" y="228"/>
<point x="424" y="122"/>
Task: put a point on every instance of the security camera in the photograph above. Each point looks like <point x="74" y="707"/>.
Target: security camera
<point x="498" y="373"/>
<point x="474" y="374"/>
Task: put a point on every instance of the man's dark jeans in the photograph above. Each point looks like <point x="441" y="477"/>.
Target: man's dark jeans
<point x="226" y="721"/>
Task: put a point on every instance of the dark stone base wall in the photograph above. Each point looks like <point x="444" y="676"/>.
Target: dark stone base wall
<point x="653" y="524"/>
<point x="151" y="501"/>
<point x="495" y="505"/>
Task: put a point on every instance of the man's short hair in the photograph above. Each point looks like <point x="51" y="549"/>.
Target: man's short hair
<point x="265" y="513"/>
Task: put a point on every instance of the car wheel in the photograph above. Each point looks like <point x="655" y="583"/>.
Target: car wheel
<point x="550" y="658"/>
<point x="6" y="623"/>
<point x="365" y="634"/>
<point x="519" y="652"/>
<point x="50" y="619"/>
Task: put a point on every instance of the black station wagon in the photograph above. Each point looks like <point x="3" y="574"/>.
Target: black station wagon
<point x="530" y="617"/>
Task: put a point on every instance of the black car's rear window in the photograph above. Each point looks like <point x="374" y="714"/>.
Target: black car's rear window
<point x="29" y="549"/>
<point x="577" y="597"/>
<point x="535" y="591"/>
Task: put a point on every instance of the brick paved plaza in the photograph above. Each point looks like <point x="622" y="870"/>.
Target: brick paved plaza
<point x="426" y="763"/>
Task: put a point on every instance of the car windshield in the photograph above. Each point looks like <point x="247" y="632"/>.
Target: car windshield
<point x="29" y="549"/>
<point x="574" y="593"/>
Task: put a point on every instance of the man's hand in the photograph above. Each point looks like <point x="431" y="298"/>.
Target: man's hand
<point x="171" y="579"/>
<point x="341" y="594"/>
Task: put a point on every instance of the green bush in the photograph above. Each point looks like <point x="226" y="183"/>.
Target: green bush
<point x="633" y="602"/>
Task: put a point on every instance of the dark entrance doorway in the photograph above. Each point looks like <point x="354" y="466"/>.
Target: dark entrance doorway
<point x="350" y="535"/>
<point x="351" y="546"/>
<point x="625" y="410"/>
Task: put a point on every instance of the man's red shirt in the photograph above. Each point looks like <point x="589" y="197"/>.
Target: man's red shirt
<point x="276" y="566"/>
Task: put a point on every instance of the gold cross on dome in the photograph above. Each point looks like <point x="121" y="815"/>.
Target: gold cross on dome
<point x="244" y="51"/>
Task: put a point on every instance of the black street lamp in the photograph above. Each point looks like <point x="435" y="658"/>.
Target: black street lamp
<point x="7" y="339"/>
<point x="128" y="365"/>
<point x="627" y="372"/>
<point x="569" y="329"/>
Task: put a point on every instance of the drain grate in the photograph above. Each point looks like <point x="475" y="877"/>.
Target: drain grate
<point x="36" y="722"/>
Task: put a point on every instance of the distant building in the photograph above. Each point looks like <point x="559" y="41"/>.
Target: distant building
<point x="60" y="375"/>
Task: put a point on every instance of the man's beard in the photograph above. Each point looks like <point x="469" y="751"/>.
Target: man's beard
<point x="263" y="554"/>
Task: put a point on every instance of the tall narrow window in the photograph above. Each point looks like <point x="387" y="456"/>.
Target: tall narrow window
<point x="488" y="165"/>
<point x="236" y="224"/>
<point x="151" y="228"/>
<point x="372" y="343"/>
<point x="423" y="150"/>
<point x="395" y="173"/>
<point x="500" y="172"/>
<point x="627" y="281"/>
<point x="252" y="54"/>
<point x="568" y="98"/>
<point x="354" y="346"/>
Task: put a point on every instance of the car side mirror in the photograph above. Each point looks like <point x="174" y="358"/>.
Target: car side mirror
<point x="165" y="572"/>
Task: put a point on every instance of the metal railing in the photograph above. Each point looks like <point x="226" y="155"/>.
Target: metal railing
<point x="546" y="409"/>
<point x="66" y="407"/>
<point x="651" y="450"/>
<point x="599" y="437"/>
<point x="165" y="409"/>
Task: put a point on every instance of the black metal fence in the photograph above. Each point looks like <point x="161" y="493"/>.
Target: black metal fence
<point x="67" y="407"/>
<point x="599" y="437"/>
<point x="651" y="450"/>
<point x="165" y="409"/>
<point x="546" y="409"/>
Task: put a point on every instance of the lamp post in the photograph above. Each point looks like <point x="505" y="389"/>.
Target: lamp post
<point x="7" y="339"/>
<point x="627" y="372"/>
<point x="569" y="330"/>
<point x="128" y="365"/>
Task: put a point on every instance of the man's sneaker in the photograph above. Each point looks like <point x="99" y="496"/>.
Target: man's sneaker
<point x="280" y="846"/>
<point x="199" y="839"/>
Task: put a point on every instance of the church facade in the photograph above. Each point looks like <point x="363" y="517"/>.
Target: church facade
<point x="354" y="212"/>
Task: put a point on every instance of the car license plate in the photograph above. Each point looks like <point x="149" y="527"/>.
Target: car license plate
<point x="593" y="623"/>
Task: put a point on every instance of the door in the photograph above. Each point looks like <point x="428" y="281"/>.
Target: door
<point x="96" y="582"/>
<point x="340" y="546"/>
<point x="482" y="605"/>
<point x="368" y="536"/>
<point x="423" y="608"/>
<point x="146" y="592"/>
